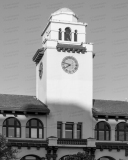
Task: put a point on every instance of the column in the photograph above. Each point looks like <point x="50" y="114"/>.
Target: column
<point x="63" y="129"/>
<point x="72" y="36"/>
<point x="62" y="31"/>
<point x="75" y="130"/>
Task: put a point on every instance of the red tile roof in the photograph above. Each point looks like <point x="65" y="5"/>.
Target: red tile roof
<point x="110" y="107"/>
<point x="22" y="103"/>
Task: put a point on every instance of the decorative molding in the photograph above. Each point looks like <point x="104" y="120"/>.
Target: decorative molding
<point x="111" y="145"/>
<point x="27" y="143"/>
<point x="71" y="48"/>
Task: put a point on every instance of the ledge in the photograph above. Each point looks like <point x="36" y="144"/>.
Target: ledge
<point x="71" y="48"/>
<point x="27" y="143"/>
<point x="112" y="145"/>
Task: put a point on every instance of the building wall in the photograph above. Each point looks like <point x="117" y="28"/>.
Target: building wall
<point x="114" y="154"/>
<point x="112" y="123"/>
<point x="23" y="120"/>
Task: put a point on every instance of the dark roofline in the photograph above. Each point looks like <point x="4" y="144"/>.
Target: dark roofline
<point x="110" y="109"/>
<point x="38" y="55"/>
<point x="21" y="105"/>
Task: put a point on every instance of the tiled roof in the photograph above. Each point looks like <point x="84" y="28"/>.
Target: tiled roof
<point x="38" y="55"/>
<point x="21" y="103"/>
<point x="110" y="107"/>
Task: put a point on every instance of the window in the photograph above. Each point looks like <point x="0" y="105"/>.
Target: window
<point x="67" y="34"/>
<point x="12" y="128"/>
<point x="79" y="130"/>
<point x="59" y="130"/>
<point x="60" y="34"/>
<point x="69" y="130"/>
<point x="75" y="36"/>
<point x="121" y="132"/>
<point x="102" y="131"/>
<point x="34" y="129"/>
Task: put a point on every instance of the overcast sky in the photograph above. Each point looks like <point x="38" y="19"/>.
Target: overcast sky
<point x="23" y="21"/>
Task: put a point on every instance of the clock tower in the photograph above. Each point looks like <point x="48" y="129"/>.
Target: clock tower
<point x="64" y="72"/>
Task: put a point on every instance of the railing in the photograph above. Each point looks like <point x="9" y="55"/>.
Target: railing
<point x="67" y="141"/>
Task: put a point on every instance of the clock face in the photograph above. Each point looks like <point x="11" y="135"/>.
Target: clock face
<point x="41" y="70"/>
<point x="69" y="64"/>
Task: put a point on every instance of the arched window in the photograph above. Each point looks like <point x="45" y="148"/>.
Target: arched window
<point x="102" y="131"/>
<point x="31" y="157"/>
<point x="34" y="129"/>
<point x="67" y="34"/>
<point x="75" y="36"/>
<point x="60" y="34"/>
<point x="12" y="128"/>
<point x="121" y="132"/>
<point x="106" y="158"/>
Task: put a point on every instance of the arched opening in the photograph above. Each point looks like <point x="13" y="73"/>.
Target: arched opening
<point x="31" y="157"/>
<point x="66" y="157"/>
<point x="106" y="158"/>
<point x="12" y="128"/>
<point x="60" y="34"/>
<point x="121" y="131"/>
<point x="34" y="128"/>
<point x="75" y="36"/>
<point x="102" y="131"/>
<point x="67" y="34"/>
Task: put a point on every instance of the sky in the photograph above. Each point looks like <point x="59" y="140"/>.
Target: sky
<point x="23" y="21"/>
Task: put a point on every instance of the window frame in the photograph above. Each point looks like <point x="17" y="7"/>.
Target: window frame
<point x="15" y="126"/>
<point x="60" y="34"/>
<point x="72" y="130"/>
<point x="104" y="130"/>
<point x="30" y="127"/>
<point x="75" y="36"/>
<point x="79" y="124"/>
<point x="60" y="128"/>
<point x="117" y="131"/>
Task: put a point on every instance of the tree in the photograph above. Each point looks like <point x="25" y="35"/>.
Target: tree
<point x="79" y="156"/>
<point x="7" y="152"/>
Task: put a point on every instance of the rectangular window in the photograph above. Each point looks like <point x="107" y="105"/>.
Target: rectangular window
<point x="11" y="132"/>
<point x="40" y="133"/>
<point x="33" y="133"/>
<point x="107" y="136"/>
<point x="121" y="135"/>
<point x="59" y="130"/>
<point x="27" y="133"/>
<point x="96" y="135"/>
<point x="69" y="130"/>
<point x="101" y="135"/>
<point x="4" y="131"/>
<point x="18" y="132"/>
<point x="79" y="130"/>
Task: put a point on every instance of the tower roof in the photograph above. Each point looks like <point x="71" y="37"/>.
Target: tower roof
<point x="64" y="11"/>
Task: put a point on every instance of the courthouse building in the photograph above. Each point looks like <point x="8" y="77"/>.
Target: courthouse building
<point x="63" y="118"/>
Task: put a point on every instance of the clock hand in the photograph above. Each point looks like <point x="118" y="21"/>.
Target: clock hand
<point x="67" y="65"/>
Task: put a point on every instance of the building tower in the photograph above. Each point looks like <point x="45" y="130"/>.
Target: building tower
<point x="64" y="73"/>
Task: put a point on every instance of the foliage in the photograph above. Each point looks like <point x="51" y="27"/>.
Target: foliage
<point x="79" y="156"/>
<point x="7" y="152"/>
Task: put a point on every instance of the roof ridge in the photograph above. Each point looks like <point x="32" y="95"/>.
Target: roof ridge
<point x="109" y="100"/>
<point x="18" y="95"/>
